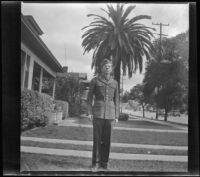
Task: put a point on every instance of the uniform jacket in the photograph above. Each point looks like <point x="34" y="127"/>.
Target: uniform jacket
<point x="103" y="98"/>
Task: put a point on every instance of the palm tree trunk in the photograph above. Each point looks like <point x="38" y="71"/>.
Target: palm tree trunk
<point x="117" y="74"/>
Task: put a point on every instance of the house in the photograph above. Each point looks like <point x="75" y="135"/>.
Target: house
<point x="38" y="64"/>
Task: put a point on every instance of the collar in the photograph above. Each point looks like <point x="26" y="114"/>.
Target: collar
<point x="102" y="79"/>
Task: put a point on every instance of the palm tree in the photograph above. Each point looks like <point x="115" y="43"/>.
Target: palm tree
<point x="119" y="38"/>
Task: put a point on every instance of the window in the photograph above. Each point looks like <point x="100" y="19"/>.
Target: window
<point x="36" y="77"/>
<point x="25" y="63"/>
<point x="27" y="71"/>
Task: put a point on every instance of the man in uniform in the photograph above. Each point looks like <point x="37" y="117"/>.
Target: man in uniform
<point x="103" y="92"/>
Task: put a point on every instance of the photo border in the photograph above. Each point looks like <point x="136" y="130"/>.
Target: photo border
<point x="11" y="92"/>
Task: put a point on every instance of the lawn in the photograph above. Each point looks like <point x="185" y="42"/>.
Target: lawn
<point x="131" y="124"/>
<point x="181" y="120"/>
<point x="113" y="149"/>
<point x="118" y="136"/>
<point x="38" y="162"/>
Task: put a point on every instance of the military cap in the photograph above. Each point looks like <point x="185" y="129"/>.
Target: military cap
<point x="106" y="61"/>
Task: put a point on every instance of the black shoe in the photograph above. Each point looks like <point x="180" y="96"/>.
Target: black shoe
<point x="104" y="166"/>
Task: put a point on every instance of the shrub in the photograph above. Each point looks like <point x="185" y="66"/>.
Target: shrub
<point x="123" y="117"/>
<point x="34" y="108"/>
<point x="64" y="107"/>
<point x="74" y="109"/>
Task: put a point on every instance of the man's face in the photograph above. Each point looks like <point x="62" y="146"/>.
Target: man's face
<point x="107" y="68"/>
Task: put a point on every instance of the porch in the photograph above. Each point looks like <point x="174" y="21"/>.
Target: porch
<point x="36" y="76"/>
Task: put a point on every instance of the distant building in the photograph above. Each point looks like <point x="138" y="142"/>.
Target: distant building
<point x="65" y="69"/>
<point x="65" y="73"/>
<point x="37" y="62"/>
<point x="82" y="76"/>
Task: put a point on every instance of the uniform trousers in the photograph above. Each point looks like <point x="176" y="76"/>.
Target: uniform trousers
<point x="102" y="129"/>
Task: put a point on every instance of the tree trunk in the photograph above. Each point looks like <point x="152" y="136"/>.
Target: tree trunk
<point x="117" y="74"/>
<point x="166" y="114"/>
<point x="143" y="111"/>
<point x="156" y="112"/>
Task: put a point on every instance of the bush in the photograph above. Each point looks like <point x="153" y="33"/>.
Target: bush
<point x="123" y="117"/>
<point x="34" y="109"/>
<point x="74" y="109"/>
<point x="64" y="107"/>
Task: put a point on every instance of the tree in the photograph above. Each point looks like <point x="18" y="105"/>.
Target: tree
<point x="125" y="97"/>
<point x="168" y="76"/>
<point x="69" y="89"/>
<point x="182" y="46"/>
<point x="137" y="94"/>
<point x="120" y="38"/>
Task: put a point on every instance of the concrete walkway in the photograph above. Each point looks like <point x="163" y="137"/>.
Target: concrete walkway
<point x="71" y="124"/>
<point x="117" y="156"/>
<point x="90" y="143"/>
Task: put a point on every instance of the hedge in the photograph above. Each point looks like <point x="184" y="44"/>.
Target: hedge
<point x="34" y="109"/>
<point x="74" y="109"/>
<point x="123" y="117"/>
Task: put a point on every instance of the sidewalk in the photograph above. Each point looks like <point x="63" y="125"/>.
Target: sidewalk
<point x="117" y="156"/>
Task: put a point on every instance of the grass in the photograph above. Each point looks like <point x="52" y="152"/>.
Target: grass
<point x="118" y="136"/>
<point x="113" y="149"/>
<point x="132" y="124"/>
<point x="181" y="120"/>
<point x="41" y="162"/>
<point x="38" y="162"/>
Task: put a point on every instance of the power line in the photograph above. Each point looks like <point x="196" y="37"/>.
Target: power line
<point x="160" y="24"/>
<point x="65" y="54"/>
<point x="160" y="34"/>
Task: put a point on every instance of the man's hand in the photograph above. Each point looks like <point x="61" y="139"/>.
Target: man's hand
<point x="116" y="121"/>
<point x="90" y="116"/>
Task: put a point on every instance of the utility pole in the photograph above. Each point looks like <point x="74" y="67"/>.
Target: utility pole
<point x="160" y="34"/>
<point x="65" y="55"/>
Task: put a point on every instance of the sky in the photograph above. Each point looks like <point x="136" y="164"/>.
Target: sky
<point x="62" y="23"/>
